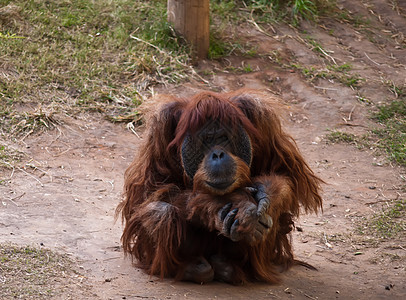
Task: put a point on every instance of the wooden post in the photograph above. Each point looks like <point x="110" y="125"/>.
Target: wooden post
<point x="191" y="19"/>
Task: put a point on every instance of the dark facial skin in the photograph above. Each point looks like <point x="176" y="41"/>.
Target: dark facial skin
<point x="220" y="168"/>
<point x="212" y="146"/>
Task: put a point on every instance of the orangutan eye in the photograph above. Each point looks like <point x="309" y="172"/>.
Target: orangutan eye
<point x="209" y="137"/>
<point x="221" y="139"/>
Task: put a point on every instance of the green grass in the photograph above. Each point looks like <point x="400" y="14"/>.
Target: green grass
<point x="388" y="223"/>
<point x="332" y="70"/>
<point x="75" y="55"/>
<point x="341" y="73"/>
<point x="81" y="54"/>
<point x="359" y="22"/>
<point x="294" y="9"/>
<point x="224" y="38"/>
<point x="219" y="47"/>
<point x="392" y="135"/>
<point x="336" y="136"/>
<point x="8" y="156"/>
<point x="341" y="137"/>
<point x="396" y="109"/>
<point x="316" y="46"/>
<point x="340" y="68"/>
<point x="4" y="157"/>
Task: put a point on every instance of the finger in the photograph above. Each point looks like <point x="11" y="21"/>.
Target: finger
<point x="265" y="220"/>
<point x="229" y="220"/>
<point x="224" y="211"/>
<point x="261" y="195"/>
<point x="263" y="206"/>
<point x="251" y="189"/>
<point x="234" y="235"/>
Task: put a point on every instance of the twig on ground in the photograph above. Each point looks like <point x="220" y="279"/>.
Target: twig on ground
<point x="318" y="48"/>
<point x="371" y="59"/>
<point x="12" y="172"/>
<point x="325" y="88"/>
<point x="22" y="170"/>
<point x="260" y="29"/>
<point x="16" y="198"/>
<point x="350" y="114"/>
<point x="131" y="127"/>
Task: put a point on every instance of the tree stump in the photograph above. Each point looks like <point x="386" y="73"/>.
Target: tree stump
<point x="191" y="19"/>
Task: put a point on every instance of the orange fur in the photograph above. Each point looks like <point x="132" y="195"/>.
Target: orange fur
<point x="168" y="220"/>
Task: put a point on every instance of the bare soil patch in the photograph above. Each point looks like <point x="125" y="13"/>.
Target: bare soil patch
<point x="64" y="193"/>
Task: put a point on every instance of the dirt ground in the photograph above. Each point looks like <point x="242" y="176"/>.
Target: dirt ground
<point x="65" y="196"/>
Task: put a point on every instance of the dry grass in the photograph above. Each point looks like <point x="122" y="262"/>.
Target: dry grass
<point x="32" y="273"/>
<point x="70" y="56"/>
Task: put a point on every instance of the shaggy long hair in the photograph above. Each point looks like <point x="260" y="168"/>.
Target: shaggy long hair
<point x="160" y="203"/>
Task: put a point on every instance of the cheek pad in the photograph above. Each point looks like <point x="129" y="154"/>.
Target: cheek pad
<point x="191" y="155"/>
<point x="243" y="147"/>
